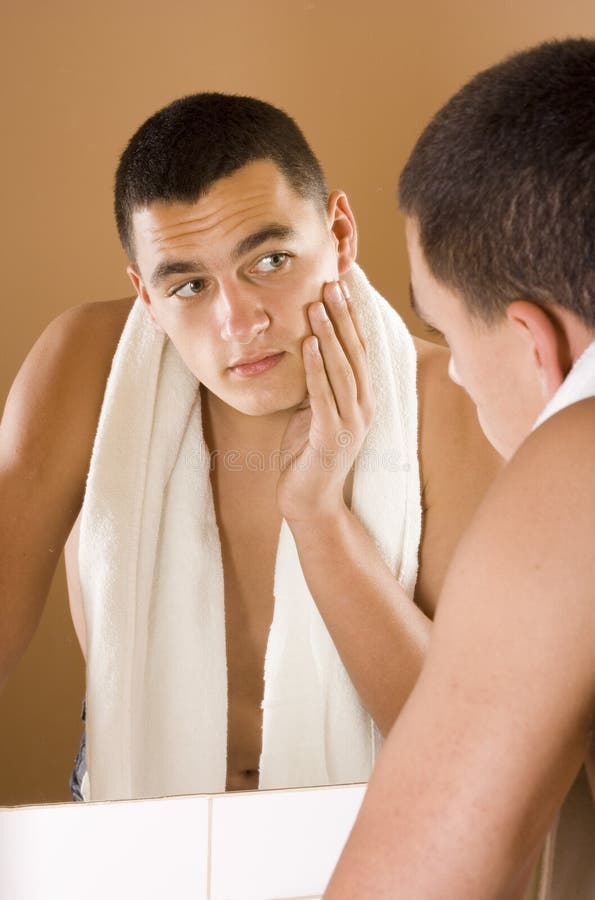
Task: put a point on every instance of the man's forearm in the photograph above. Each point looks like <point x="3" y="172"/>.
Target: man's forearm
<point x="379" y="633"/>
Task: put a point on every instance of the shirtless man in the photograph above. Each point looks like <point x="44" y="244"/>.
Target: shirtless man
<point x="264" y="245"/>
<point x="499" y="195"/>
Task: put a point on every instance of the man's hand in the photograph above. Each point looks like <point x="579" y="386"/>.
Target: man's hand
<point x="326" y="433"/>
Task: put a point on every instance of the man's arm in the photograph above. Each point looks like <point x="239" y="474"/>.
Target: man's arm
<point x="46" y="437"/>
<point x="379" y="633"/>
<point x="501" y="718"/>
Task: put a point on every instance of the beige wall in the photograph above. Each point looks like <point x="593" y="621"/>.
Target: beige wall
<point x="361" y="78"/>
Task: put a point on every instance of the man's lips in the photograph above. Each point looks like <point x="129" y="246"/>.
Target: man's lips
<point x="257" y="364"/>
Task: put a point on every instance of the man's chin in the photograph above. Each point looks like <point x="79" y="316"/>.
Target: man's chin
<point x="263" y="403"/>
<point x="260" y="407"/>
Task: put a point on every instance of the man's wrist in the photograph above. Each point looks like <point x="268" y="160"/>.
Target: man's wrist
<point x="321" y="520"/>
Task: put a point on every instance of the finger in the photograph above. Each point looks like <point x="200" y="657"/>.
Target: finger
<point x="338" y="367"/>
<point x="346" y="315"/>
<point x="365" y="391"/>
<point x="358" y="351"/>
<point x="355" y="314"/>
<point x="341" y="313"/>
<point x="322" y="400"/>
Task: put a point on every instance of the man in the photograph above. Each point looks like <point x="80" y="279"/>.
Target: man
<point x="238" y="255"/>
<point x="499" y="195"/>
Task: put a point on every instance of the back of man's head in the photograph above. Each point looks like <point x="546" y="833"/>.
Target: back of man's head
<point x="181" y="150"/>
<point x="502" y="184"/>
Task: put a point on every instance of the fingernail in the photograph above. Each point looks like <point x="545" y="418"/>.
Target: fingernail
<point x="321" y="310"/>
<point x="314" y="346"/>
<point x="345" y="290"/>
<point x="338" y="293"/>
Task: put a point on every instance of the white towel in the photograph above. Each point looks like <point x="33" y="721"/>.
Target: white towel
<point x="152" y="582"/>
<point x="578" y="385"/>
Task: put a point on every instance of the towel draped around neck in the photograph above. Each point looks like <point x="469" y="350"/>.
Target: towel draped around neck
<point x="153" y="583"/>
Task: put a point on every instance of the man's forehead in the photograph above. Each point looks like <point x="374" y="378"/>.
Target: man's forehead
<point x="255" y="184"/>
<point x="245" y="202"/>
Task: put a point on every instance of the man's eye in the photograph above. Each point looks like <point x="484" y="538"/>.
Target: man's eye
<point x="272" y="262"/>
<point x="190" y="289"/>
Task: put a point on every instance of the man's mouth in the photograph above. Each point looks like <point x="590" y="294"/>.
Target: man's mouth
<point x="249" y="366"/>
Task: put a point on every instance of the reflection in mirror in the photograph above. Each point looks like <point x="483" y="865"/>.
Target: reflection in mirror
<point x="243" y="568"/>
<point x="216" y="494"/>
<point x="176" y="636"/>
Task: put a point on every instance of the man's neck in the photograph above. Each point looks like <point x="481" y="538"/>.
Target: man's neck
<point x="228" y="429"/>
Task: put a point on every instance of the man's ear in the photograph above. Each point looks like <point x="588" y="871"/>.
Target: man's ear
<point x="342" y="224"/>
<point x="139" y="287"/>
<point x="547" y="343"/>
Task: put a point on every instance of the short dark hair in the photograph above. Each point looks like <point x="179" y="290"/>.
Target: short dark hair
<point x="502" y="184"/>
<point x="181" y="150"/>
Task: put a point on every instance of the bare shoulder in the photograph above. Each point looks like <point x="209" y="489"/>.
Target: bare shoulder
<point x="47" y="432"/>
<point x="531" y="541"/>
<point x="568" y="435"/>
<point x="56" y="397"/>
<point x="95" y="327"/>
<point x="84" y="337"/>
<point x="518" y="605"/>
<point x="504" y="707"/>
<point x="551" y="478"/>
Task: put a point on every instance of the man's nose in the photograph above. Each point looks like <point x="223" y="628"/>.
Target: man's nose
<point x="242" y="315"/>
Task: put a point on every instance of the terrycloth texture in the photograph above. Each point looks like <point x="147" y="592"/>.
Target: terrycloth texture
<point x="568" y="862"/>
<point x="152" y="582"/>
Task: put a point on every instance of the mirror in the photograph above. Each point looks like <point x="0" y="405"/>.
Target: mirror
<point x="360" y="86"/>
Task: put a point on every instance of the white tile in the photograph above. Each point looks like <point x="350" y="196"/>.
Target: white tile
<point x="149" y="849"/>
<point x="273" y="845"/>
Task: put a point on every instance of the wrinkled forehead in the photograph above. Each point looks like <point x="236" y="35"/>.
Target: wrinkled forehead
<point x="255" y="196"/>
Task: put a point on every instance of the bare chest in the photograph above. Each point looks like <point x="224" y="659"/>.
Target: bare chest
<point x="249" y="526"/>
<point x="249" y="530"/>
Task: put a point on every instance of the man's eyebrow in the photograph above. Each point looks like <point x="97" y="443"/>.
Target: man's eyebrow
<point x="252" y="241"/>
<point x="169" y="267"/>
